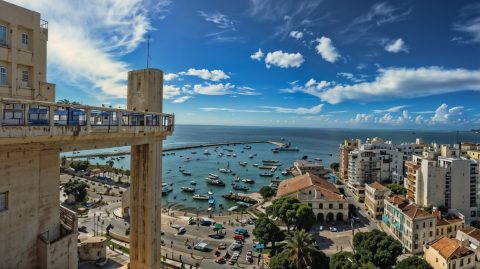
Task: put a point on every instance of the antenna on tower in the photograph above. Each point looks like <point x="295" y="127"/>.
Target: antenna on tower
<point x="148" y="49"/>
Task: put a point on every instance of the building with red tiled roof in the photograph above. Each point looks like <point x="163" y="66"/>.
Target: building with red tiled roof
<point x="374" y="195"/>
<point x="326" y="201"/>
<point x="447" y="253"/>
<point x="472" y="236"/>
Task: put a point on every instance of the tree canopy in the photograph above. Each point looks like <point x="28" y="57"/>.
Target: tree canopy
<point x="397" y="189"/>
<point x="343" y="260"/>
<point x="413" y="262"/>
<point x="303" y="252"/>
<point x="304" y="217"/>
<point x="267" y="232"/>
<point x="76" y="188"/>
<point x="266" y="191"/>
<point x="79" y="165"/>
<point x="293" y="213"/>
<point x="377" y="247"/>
<point x="335" y="166"/>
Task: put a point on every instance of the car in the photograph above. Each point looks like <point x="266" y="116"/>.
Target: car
<point x="216" y="236"/>
<point x="182" y="230"/>
<point x="232" y="261"/>
<point x="236" y="246"/>
<point x="239" y="237"/>
<point x="206" y="223"/>
<point x="242" y="231"/>
<point x="249" y="256"/>
<point x="333" y="229"/>
<point x="222" y="246"/>
<point x="201" y="246"/>
<point x="238" y="242"/>
<point x="220" y="260"/>
<point x="82" y="229"/>
<point x="356" y="219"/>
<point x="321" y="228"/>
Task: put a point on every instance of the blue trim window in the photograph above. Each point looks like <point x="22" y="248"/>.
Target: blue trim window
<point x="3" y="35"/>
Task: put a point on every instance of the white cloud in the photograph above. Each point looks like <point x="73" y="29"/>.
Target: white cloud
<point x="391" y="109"/>
<point x="445" y="115"/>
<point x="232" y="110"/>
<point x="351" y="76"/>
<point x="405" y="83"/>
<point x="284" y="59"/>
<point x="396" y="46"/>
<point x="170" y="91"/>
<point x="182" y="99"/>
<point x="299" y="110"/>
<point x="219" y="19"/>
<point x="247" y="91"/>
<point x="85" y="39"/>
<point x="326" y="49"/>
<point x="296" y="34"/>
<point x="213" y="89"/>
<point x="213" y="75"/>
<point x="469" y="24"/>
<point x="257" y="55"/>
<point x="311" y="87"/>
<point x="170" y="76"/>
<point x="363" y="118"/>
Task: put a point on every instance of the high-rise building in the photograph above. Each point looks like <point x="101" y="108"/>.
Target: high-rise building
<point x="345" y="149"/>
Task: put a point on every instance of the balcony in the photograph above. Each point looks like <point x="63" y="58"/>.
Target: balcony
<point x="25" y="121"/>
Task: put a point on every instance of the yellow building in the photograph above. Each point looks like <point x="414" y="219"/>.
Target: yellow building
<point x="449" y="253"/>
<point x="474" y="154"/>
<point x="345" y="149"/>
<point x="375" y="194"/>
<point x="326" y="201"/>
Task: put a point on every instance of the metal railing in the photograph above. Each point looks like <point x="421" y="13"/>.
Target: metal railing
<point x="43" y="24"/>
<point x="86" y="119"/>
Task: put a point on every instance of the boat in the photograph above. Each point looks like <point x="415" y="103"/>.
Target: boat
<point x="200" y="197"/>
<point x="216" y="182"/>
<point x="188" y="189"/>
<point x="270" y="161"/>
<point x="166" y="188"/>
<point x="233" y="208"/>
<point x="226" y="169"/>
<point x="211" y="200"/>
<point x="240" y="187"/>
<point x="318" y="159"/>
<point x="185" y="173"/>
<point x="284" y="172"/>
<point x="228" y="155"/>
<point x="275" y="151"/>
<point x="210" y="193"/>
<point x="266" y="175"/>
<point x="255" y="165"/>
<point x="243" y="204"/>
<point x="220" y="154"/>
<point x="268" y="167"/>
<point x="236" y="179"/>
<point x="206" y="152"/>
<point x="287" y="149"/>
<point x="212" y="176"/>
<point x="194" y="152"/>
<point x="248" y="180"/>
<point x="234" y="155"/>
<point x="247" y="147"/>
<point x="273" y="169"/>
<point x="193" y="182"/>
<point x="250" y="156"/>
<point x="243" y="163"/>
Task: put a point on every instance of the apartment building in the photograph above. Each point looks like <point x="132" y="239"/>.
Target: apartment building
<point x="326" y="201"/>
<point x="449" y="253"/>
<point x="470" y="237"/>
<point x="313" y="167"/>
<point x="440" y="178"/>
<point x="345" y="149"/>
<point x="375" y="194"/>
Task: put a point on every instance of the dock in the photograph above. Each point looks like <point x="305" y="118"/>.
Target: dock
<point x="127" y="152"/>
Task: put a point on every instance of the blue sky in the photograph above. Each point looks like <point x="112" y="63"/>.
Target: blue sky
<point x="331" y="63"/>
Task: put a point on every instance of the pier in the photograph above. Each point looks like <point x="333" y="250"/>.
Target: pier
<point x="127" y="152"/>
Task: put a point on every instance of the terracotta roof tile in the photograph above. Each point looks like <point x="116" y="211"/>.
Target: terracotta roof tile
<point x="448" y="220"/>
<point x="378" y="186"/>
<point x="323" y="186"/>
<point x="450" y="248"/>
<point x="472" y="231"/>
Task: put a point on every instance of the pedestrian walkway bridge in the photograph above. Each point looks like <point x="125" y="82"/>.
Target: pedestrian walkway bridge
<point x="75" y="127"/>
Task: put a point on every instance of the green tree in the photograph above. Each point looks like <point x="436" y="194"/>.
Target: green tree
<point x="267" y="232"/>
<point x="397" y="189"/>
<point x="280" y="261"/>
<point x="64" y="161"/>
<point x="378" y="247"/>
<point x="335" y="166"/>
<point x="79" y="165"/>
<point x="266" y="191"/>
<point x="67" y="102"/>
<point x="304" y="217"/>
<point x="302" y="249"/>
<point x="343" y="260"/>
<point x="428" y="208"/>
<point x="413" y="262"/>
<point x="76" y="188"/>
<point x="283" y="208"/>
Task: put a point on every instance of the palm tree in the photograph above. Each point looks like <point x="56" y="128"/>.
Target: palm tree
<point x="301" y="248"/>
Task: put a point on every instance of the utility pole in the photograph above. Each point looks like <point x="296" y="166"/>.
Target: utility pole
<point x="148" y="49"/>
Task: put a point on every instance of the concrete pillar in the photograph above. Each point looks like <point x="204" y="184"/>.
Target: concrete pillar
<point x="145" y="89"/>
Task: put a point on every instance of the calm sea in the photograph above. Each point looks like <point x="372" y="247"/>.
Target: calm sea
<point x="314" y="143"/>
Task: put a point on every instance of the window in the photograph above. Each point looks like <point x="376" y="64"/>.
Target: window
<point x="309" y="192"/>
<point x="320" y="206"/>
<point x="3" y="35"/>
<point x="3" y="201"/>
<point x="340" y="206"/>
<point x="3" y="75"/>
<point x="310" y="205"/>
<point x="24" y="82"/>
<point x="25" y="40"/>
<point x="330" y="206"/>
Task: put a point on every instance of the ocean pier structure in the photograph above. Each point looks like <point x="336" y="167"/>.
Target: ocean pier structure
<point x="36" y="231"/>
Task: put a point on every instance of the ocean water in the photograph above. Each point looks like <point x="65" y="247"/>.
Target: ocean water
<point x="314" y="143"/>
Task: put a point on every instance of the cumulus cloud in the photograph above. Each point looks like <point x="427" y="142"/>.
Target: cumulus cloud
<point x="299" y="110"/>
<point x="213" y="75"/>
<point x="405" y="83"/>
<point x="99" y="32"/>
<point x="257" y="55"/>
<point x="169" y="76"/>
<point x="443" y="114"/>
<point x="396" y="46"/>
<point x="296" y="34"/>
<point x="182" y="99"/>
<point x="284" y="59"/>
<point x="326" y="49"/>
<point x="213" y="89"/>
<point x="170" y="91"/>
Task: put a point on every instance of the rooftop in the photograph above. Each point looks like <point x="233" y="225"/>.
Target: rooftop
<point x="447" y="220"/>
<point x="472" y="232"/>
<point x="378" y="186"/>
<point x="451" y="248"/>
<point x="323" y="186"/>
<point x="410" y="210"/>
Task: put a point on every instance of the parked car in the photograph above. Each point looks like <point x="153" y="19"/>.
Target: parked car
<point x="236" y="246"/>
<point x="249" y="256"/>
<point x="333" y="229"/>
<point x="220" y="260"/>
<point x="239" y="237"/>
<point x="201" y="246"/>
<point x="182" y="230"/>
<point x="355" y="218"/>
<point x="242" y="231"/>
<point x="222" y="246"/>
<point x="216" y="236"/>
<point x="206" y="223"/>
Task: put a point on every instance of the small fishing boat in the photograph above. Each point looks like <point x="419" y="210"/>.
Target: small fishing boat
<point x="166" y="188"/>
<point x="188" y="189"/>
<point x="284" y="172"/>
<point x="318" y="159"/>
<point x="212" y="176"/>
<point x="266" y="175"/>
<point x="247" y="147"/>
<point x="233" y="208"/>
<point x="193" y="182"/>
<point x="216" y="182"/>
<point x="243" y="204"/>
<point x="211" y="200"/>
<point x="225" y="170"/>
<point x="205" y="152"/>
<point x="236" y="179"/>
<point x="200" y="197"/>
<point x="210" y="193"/>
<point x="240" y="187"/>
<point x="220" y="154"/>
<point x="275" y="151"/>
<point x="255" y="165"/>
<point x="250" y="156"/>
<point x="234" y="155"/>
<point x="194" y="152"/>
<point x="248" y="180"/>
<point x="243" y="163"/>
<point x="185" y="173"/>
